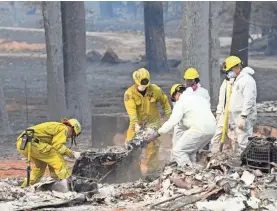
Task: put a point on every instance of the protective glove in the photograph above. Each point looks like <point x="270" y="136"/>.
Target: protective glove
<point x="137" y="128"/>
<point x="153" y="136"/>
<point x="76" y="155"/>
<point x="241" y="123"/>
<point x="128" y="146"/>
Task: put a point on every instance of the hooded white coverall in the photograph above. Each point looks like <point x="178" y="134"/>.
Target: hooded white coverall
<point x="200" y="91"/>
<point x="196" y="127"/>
<point x="242" y="102"/>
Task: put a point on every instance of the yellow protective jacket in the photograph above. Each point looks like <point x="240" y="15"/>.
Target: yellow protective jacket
<point x="54" y="134"/>
<point x="144" y="109"/>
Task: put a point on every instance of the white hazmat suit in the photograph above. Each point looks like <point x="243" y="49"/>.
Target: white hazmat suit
<point x="200" y="91"/>
<point x="242" y="103"/>
<point x="220" y="111"/>
<point x="196" y="127"/>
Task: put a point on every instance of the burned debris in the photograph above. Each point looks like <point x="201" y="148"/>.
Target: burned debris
<point x="260" y="153"/>
<point x="98" y="167"/>
<point x="112" y="165"/>
<point x="224" y="181"/>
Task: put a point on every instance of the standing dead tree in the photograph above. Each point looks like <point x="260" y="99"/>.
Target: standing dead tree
<point x="5" y="127"/>
<point x="155" y="37"/>
<point x="272" y="32"/>
<point x="239" y="46"/>
<point x="201" y="44"/>
<point x="74" y="51"/>
<point x="54" y="48"/>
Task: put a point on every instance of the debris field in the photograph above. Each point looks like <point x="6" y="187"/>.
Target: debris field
<point x="219" y="182"/>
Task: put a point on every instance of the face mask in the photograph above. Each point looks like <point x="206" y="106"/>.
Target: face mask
<point x="189" y="83"/>
<point x="231" y="74"/>
<point x="194" y="86"/>
<point x="141" y="88"/>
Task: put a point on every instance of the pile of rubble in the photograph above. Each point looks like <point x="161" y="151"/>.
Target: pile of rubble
<point x="220" y="183"/>
<point x="267" y="106"/>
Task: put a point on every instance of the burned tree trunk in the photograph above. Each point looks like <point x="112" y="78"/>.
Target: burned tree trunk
<point x="155" y="37"/>
<point x="272" y="34"/>
<point x="55" y="75"/>
<point x="5" y="126"/>
<point x="201" y="44"/>
<point x="239" y="46"/>
<point x="214" y="52"/>
<point x="74" y="51"/>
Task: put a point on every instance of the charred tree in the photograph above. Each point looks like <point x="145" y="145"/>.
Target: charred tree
<point x="5" y="127"/>
<point x="74" y="51"/>
<point x="272" y="33"/>
<point x="214" y="52"/>
<point x="54" y="48"/>
<point x="155" y="37"/>
<point x="201" y="44"/>
<point x="239" y="46"/>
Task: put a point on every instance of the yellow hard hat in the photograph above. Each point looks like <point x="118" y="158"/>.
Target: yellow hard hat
<point x="75" y="124"/>
<point x="230" y="62"/>
<point x="191" y="73"/>
<point x="142" y="77"/>
<point x="174" y="88"/>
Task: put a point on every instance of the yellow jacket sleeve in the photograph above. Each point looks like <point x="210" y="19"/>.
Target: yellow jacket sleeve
<point x="131" y="109"/>
<point x="165" y="104"/>
<point x="59" y="141"/>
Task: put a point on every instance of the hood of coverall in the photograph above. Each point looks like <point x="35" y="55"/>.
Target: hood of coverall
<point x="248" y="70"/>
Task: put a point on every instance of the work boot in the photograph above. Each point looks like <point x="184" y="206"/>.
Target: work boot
<point x="61" y="186"/>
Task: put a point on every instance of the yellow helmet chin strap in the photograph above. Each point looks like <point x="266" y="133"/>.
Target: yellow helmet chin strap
<point x="73" y="136"/>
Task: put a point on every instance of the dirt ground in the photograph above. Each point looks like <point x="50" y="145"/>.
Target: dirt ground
<point x="106" y="82"/>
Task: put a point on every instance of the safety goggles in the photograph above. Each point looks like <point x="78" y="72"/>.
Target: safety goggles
<point x="144" y="81"/>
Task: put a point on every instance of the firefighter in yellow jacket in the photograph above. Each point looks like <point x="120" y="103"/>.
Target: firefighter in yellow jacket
<point x="141" y="102"/>
<point x="48" y="148"/>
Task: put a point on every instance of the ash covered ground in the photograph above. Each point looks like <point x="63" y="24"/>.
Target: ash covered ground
<point x="219" y="183"/>
<point x="107" y="84"/>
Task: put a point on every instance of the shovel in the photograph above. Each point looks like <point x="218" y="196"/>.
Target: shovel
<point x="30" y="136"/>
<point x="226" y="114"/>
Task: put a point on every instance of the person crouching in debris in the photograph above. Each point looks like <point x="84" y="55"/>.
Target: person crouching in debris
<point x="141" y="103"/>
<point x="196" y="125"/>
<point x="242" y="105"/>
<point x="47" y="148"/>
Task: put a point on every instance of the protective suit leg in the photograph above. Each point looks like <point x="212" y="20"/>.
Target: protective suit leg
<point x="37" y="172"/>
<point x="52" y="173"/>
<point x="185" y="147"/>
<point x="150" y="158"/>
<point x="44" y="153"/>
<point x="240" y="137"/>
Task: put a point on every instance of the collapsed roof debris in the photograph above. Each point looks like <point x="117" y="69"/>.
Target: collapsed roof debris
<point x="267" y="106"/>
<point x="221" y="184"/>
